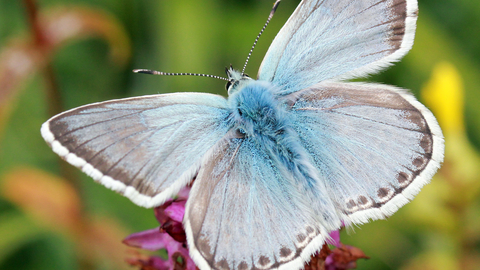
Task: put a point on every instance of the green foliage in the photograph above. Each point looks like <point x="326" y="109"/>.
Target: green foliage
<point x="440" y="229"/>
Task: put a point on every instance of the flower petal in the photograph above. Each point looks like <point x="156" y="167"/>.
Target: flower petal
<point x="150" y="263"/>
<point x="335" y="238"/>
<point x="344" y="257"/>
<point x="151" y="239"/>
<point x="444" y="93"/>
<point x="176" y="210"/>
<point x="184" y="192"/>
<point x="175" y="230"/>
<point x="160" y="214"/>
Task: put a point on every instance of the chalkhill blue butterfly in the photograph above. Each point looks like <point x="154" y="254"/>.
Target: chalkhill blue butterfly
<point x="286" y="158"/>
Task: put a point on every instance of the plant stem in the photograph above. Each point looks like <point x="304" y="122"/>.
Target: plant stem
<point x="42" y="44"/>
<point x="55" y="106"/>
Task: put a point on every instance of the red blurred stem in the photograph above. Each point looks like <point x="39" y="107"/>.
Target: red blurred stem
<point x="54" y="100"/>
<point x="53" y="93"/>
<point x="55" y="105"/>
<point x="51" y="86"/>
<point x="31" y="9"/>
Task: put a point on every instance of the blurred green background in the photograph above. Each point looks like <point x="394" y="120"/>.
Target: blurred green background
<point x="54" y="217"/>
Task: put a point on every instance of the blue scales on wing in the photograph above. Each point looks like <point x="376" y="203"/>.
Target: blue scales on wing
<point x="246" y="211"/>
<point x="338" y="39"/>
<point x="146" y="148"/>
<point x="375" y="146"/>
<point x="257" y="202"/>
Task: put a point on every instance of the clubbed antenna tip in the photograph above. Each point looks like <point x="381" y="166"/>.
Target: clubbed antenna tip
<point x="148" y="71"/>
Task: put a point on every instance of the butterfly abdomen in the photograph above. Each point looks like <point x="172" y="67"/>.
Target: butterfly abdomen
<point x="266" y="121"/>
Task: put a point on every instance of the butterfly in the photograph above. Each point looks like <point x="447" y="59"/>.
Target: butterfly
<point x="287" y="157"/>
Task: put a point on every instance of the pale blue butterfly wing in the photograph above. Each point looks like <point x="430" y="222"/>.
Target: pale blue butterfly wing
<point x="146" y="148"/>
<point x="289" y="157"/>
<point x="374" y="145"/>
<point x="338" y="39"/>
<point x="246" y="211"/>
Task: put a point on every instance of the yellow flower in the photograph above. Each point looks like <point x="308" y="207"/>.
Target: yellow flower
<point x="444" y="94"/>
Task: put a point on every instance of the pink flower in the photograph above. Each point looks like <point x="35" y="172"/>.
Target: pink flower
<point x="342" y="257"/>
<point x="335" y="238"/>
<point x="169" y="236"/>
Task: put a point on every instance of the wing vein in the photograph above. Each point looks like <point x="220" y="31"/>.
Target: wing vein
<point x="364" y="118"/>
<point x="170" y="137"/>
<point x="371" y="120"/>
<point x="130" y="151"/>
<point x="103" y="134"/>
<point x="126" y="115"/>
<point x="96" y="123"/>
<point x="224" y="201"/>
<point x="131" y="135"/>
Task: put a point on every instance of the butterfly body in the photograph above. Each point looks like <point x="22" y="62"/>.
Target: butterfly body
<point x="265" y="118"/>
<point x="286" y="158"/>
<point x="256" y="110"/>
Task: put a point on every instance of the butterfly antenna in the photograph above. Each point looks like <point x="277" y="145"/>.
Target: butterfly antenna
<point x="275" y="6"/>
<point x="154" y="72"/>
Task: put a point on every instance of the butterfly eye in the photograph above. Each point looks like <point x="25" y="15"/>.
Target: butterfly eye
<point x="227" y="86"/>
<point x="231" y="83"/>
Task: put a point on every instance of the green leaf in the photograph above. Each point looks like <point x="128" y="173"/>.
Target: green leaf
<point x="16" y="230"/>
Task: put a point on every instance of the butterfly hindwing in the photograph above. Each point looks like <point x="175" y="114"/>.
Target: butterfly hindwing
<point x="342" y="39"/>
<point x="285" y="160"/>
<point x="375" y="146"/>
<point x="245" y="211"/>
<point x="146" y="148"/>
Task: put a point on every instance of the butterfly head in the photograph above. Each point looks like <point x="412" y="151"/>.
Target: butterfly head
<point x="236" y="80"/>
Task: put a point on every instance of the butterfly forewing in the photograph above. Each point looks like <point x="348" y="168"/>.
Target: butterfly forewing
<point x="327" y="39"/>
<point x="146" y="148"/>
<point x="285" y="161"/>
<point x="375" y="146"/>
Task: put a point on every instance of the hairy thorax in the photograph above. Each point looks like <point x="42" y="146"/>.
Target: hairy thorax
<point x="263" y="118"/>
<point x="256" y="112"/>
